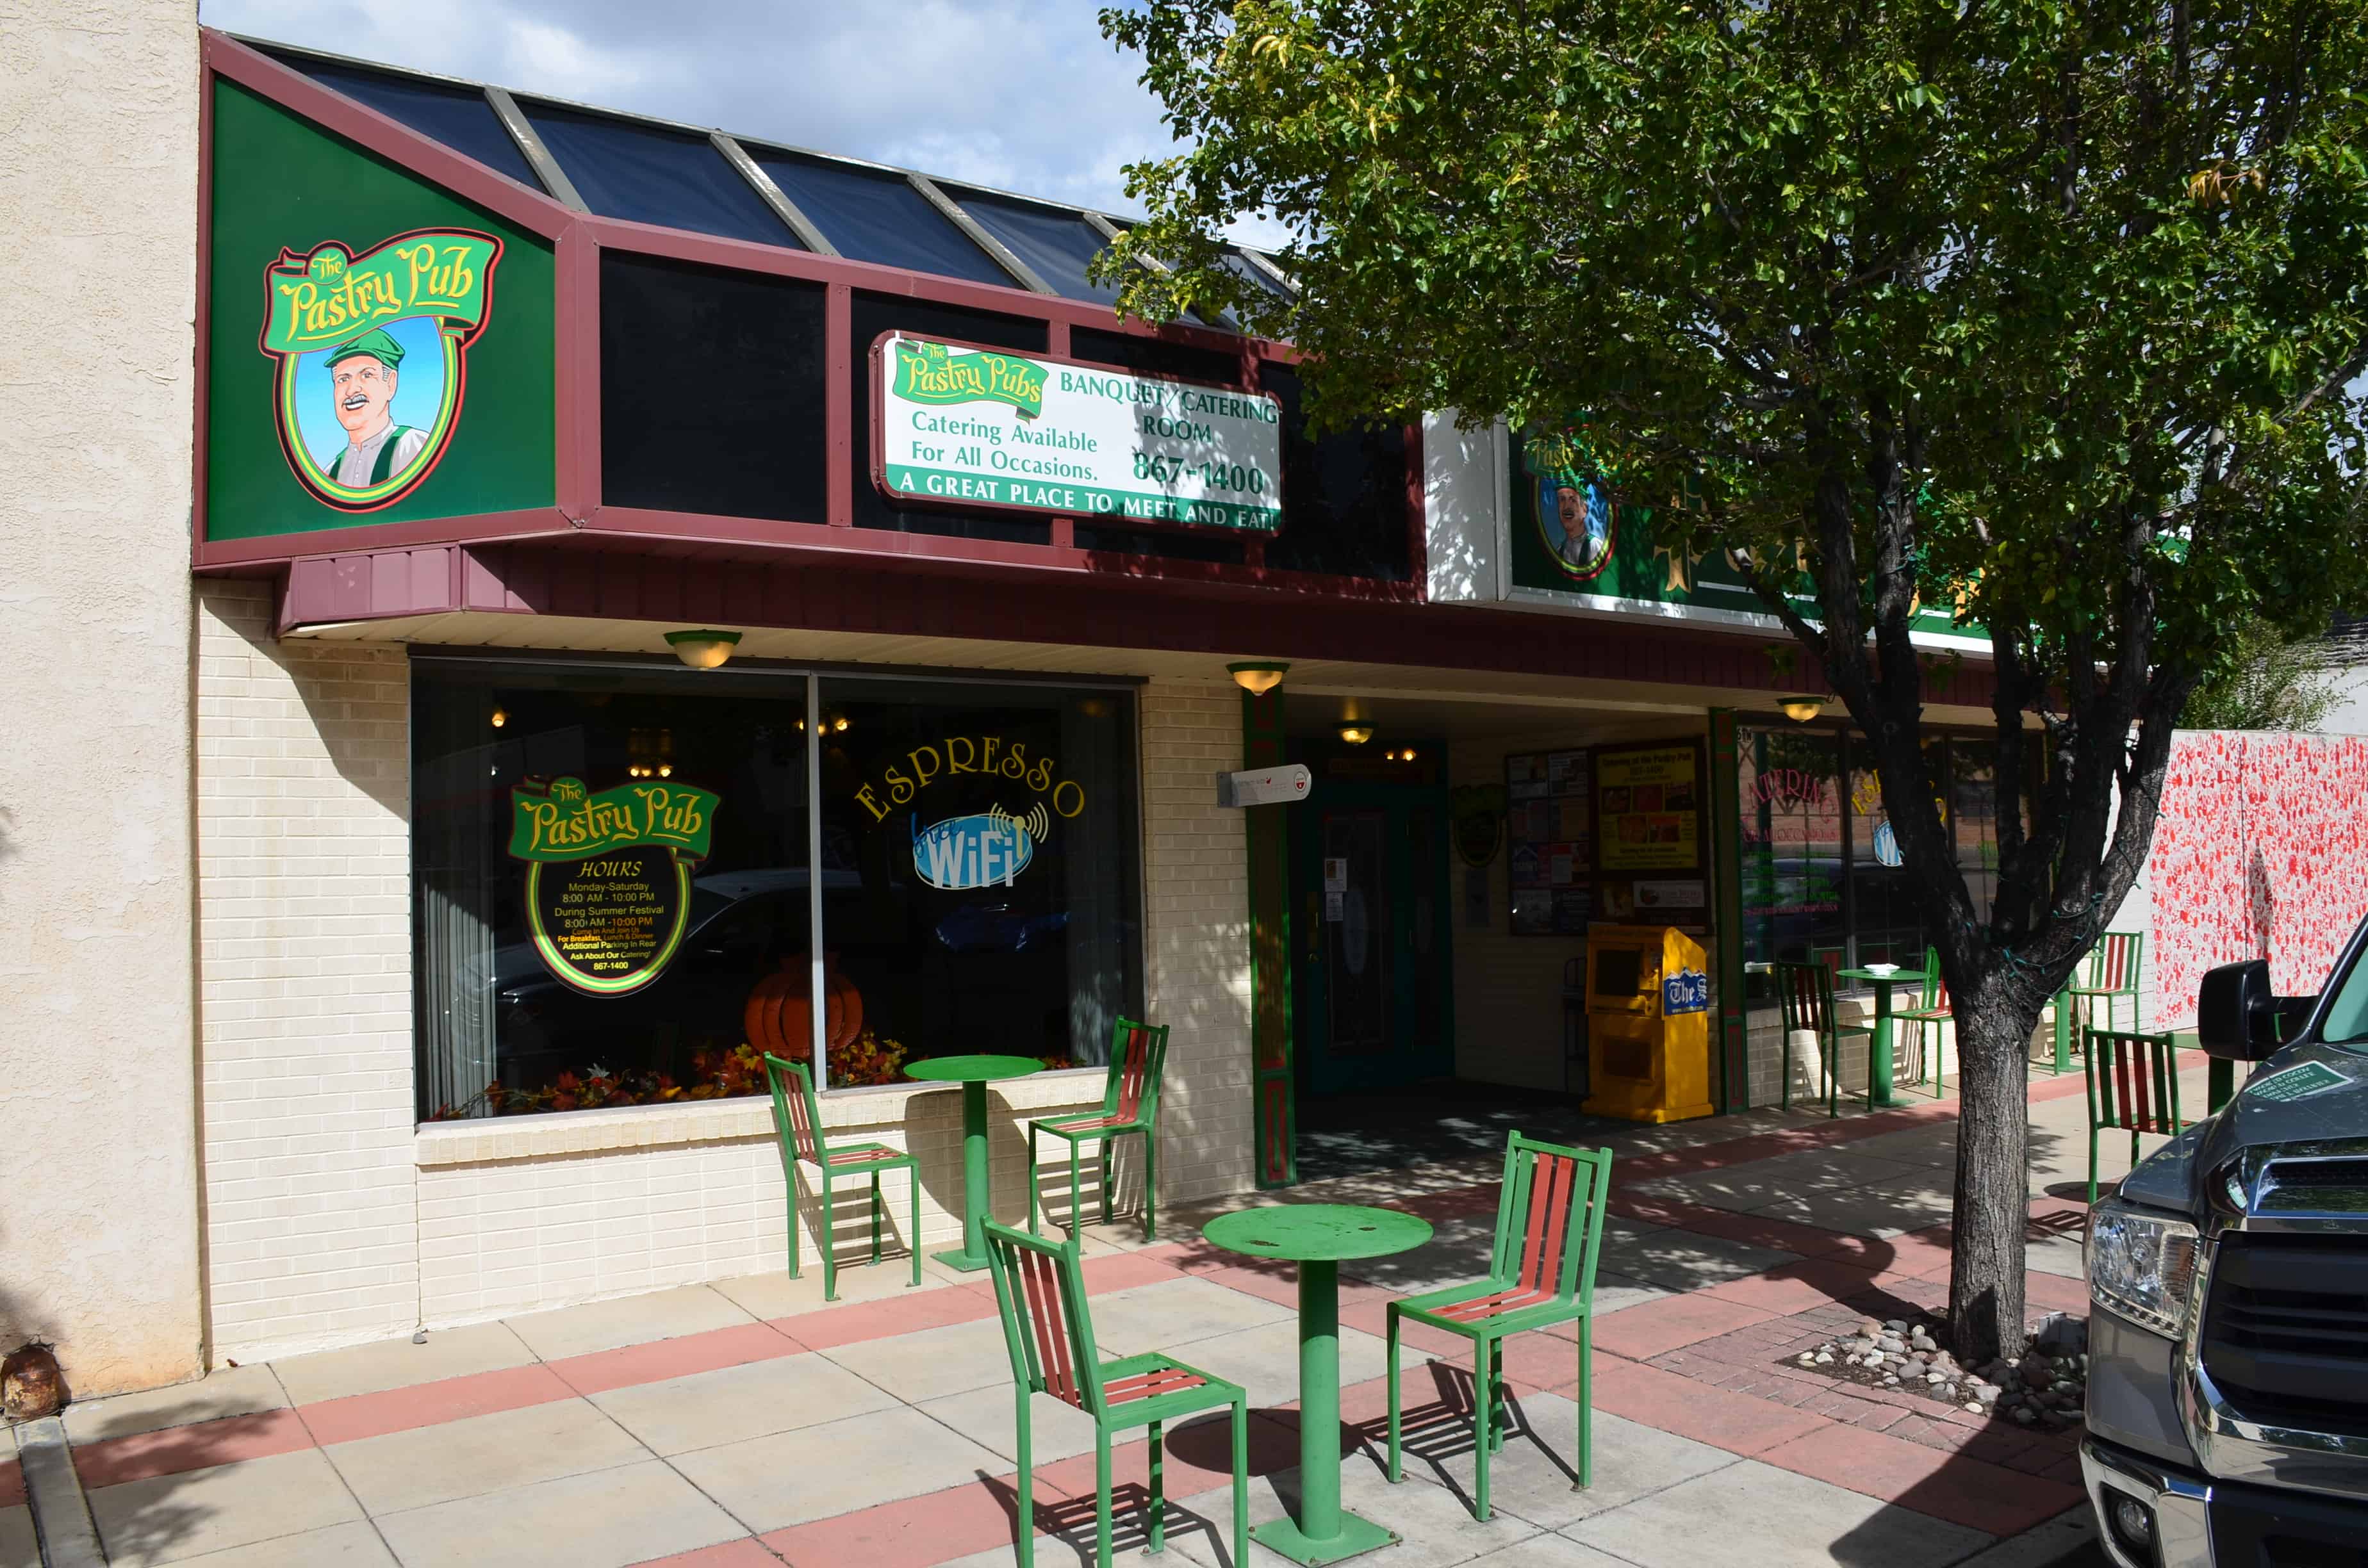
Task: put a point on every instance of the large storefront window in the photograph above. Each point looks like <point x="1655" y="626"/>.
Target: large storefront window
<point x="1823" y="879"/>
<point x="613" y="902"/>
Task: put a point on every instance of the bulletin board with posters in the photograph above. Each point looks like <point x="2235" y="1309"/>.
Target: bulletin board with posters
<point x="1551" y="837"/>
<point x="1652" y="868"/>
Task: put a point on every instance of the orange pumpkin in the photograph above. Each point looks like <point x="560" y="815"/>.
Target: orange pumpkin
<point x="778" y="1016"/>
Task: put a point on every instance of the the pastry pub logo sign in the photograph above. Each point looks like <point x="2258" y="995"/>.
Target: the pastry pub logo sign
<point x="372" y="353"/>
<point x="933" y="373"/>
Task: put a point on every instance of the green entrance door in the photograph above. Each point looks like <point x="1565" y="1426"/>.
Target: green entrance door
<point x="1371" y="986"/>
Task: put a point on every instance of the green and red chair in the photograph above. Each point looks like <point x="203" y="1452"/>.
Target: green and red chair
<point x="1541" y="1273"/>
<point x="797" y="1128"/>
<point x="1804" y="995"/>
<point x="1039" y="1293"/>
<point x="1931" y="1012"/>
<point x="2132" y="1087"/>
<point x="1130" y="1106"/>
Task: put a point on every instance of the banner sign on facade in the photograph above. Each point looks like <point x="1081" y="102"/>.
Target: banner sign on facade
<point x="983" y="428"/>
<point x="607" y="880"/>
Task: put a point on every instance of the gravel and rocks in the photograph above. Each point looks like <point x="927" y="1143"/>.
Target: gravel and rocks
<point x="2045" y="1390"/>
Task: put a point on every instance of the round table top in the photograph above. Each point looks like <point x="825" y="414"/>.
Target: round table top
<point x="1317" y="1233"/>
<point x="1888" y="977"/>
<point x="973" y="1068"/>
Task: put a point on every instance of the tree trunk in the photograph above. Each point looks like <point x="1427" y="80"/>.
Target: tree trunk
<point x="1993" y="1208"/>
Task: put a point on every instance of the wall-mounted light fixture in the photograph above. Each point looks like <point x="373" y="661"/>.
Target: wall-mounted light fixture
<point x="1258" y="678"/>
<point x="501" y="717"/>
<point x="1356" y="734"/>
<point x="703" y="649"/>
<point x="1398" y="754"/>
<point x="1801" y="710"/>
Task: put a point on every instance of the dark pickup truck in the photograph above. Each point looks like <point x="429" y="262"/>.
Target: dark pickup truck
<point x="2227" y="1410"/>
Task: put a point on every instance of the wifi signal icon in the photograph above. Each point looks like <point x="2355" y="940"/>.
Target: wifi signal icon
<point x="1037" y="823"/>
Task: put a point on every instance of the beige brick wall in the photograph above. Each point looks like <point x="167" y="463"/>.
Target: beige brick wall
<point x="1196" y="930"/>
<point x="304" y="984"/>
<point x="332" y="1220"/>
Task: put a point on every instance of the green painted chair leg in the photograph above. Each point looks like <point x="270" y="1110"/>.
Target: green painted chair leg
<point x="1242" y="1483"/>
<point x="1106" y="1181"/>
<point x="2092" y="1167"/>
<point x="1585" y="1403"/>
<point x="1483" y="1440"/>
<point x="1101" y="1497"/>
<point x="1159" y="1528"/>
<point x="1027" y="1541"/>
<point x="1033" y="1228"/>
<point x="913" y="1236"/>
<point x="1077" y="1194"/>
<point x="1503" y="1408"/>
<point x="790" y="1224"/>
<point x="1150" y="1185"/>
<point x="1396" y="1469"/>
<point x="875" y="1216"/>
<point x="823" y="1237"/>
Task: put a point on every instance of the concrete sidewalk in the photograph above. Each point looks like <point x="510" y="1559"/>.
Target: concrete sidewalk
<point x="747" y="1423"/>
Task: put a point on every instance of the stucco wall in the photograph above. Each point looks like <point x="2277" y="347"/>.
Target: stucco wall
<point x="98" y="1164"/>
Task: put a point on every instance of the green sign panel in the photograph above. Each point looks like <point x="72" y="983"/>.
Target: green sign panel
<point x="1570" y="542"/>
<point x="2297" y="1083"/>
<point x="608" y="882"/>
<point x="380" y="350"/>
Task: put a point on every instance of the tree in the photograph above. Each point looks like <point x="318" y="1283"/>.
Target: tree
<point x="2271" y="680"/>
<point x="2050" y="310"/>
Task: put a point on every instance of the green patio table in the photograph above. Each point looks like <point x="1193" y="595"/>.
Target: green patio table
<point x="973" y="1074"/>
<point x="1319" y="1237"/>
<point x="1878" y="1056"/>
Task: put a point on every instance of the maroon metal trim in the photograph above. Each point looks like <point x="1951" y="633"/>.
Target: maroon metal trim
<point x="281" y="549"/>
<point x="389" y="139"/>
<point x="755" y="539"/>
<point x="205" y="321"/>
<point x="903" y="501"/>
<point x="575" y="368"/>
<point x="838" y="403"/>
<point x="839" y="589"/>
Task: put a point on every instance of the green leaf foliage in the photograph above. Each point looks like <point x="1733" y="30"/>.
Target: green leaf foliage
<point x="2054" y="311"/>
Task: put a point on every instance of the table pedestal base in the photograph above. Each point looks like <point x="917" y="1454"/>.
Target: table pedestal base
<point x="1357" y="1537"/>
<point x="959" y="1259"/>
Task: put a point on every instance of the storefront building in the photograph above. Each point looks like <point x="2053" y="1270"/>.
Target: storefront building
<point x="659" y="596"/>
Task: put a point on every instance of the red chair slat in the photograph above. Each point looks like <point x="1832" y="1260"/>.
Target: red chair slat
<point x="856" y="1157"/>
<point x="1151" y="1384"/>
<point x="1130" y="1077"/>
<point x="1040" y="1282"/>
<point x="803" y="1128"/>
<point x="1541" y="1257"/>
<point x="1495" y="1304"/>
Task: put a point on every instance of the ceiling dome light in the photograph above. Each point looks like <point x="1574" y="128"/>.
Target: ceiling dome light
<point x="1801" y="710"/>
<point x="1356" y="734"/>
<point x="703" y="649"/>
<point x="1258" y="678"/>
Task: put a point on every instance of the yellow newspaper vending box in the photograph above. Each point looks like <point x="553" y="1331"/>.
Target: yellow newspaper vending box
<point x="1648" y="1024"/>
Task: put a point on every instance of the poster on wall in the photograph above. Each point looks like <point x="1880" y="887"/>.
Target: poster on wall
<point x="607" y="880"/>
<point x="1647" y="800"/>
<point x="1648" y="814"/>
<point x="1553" y="850"/>
<point x="962" y="424"/>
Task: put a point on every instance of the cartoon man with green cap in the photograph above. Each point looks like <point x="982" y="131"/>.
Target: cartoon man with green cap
<point x="363" y="374"/>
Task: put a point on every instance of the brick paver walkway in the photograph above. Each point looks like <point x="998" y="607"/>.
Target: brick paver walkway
<point x="748" y="1424"/>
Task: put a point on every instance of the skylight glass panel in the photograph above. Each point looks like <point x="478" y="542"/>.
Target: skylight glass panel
<point x="459" y="117"/>
<point x="1056" y="244"/>
<point x="877" y="216"/>
<point x="649" y="175"/>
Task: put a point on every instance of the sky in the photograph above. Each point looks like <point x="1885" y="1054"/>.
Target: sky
<point x="1025" y="96"/>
